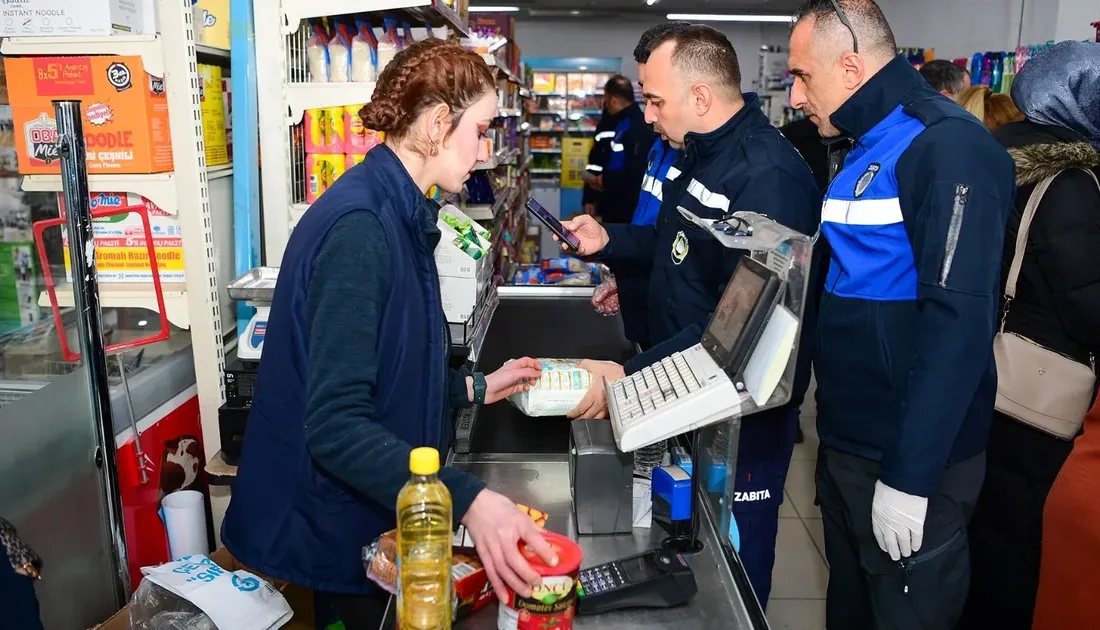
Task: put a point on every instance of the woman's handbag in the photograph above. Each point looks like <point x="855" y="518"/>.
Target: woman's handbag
<point x="1035" y="385"/>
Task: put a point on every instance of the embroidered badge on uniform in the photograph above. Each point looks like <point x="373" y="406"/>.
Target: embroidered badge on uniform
<point x="866" y="178"/>
<point x="679" y="248"/>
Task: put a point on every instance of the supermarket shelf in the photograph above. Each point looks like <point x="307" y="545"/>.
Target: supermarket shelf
<point x="493" y="62"/>
<point x="488" y="212"/>
<point x="504" y="156"/>
<point x="303" y="96"/>
<point x="211" y="53"/>
<point x="434" y="12"/>
<point x="132" y="295"/>
<point x="160" y="188"/>
<point x="526" y="162"/>
<point x="145" y="46"/>
<point x="514" y="112"/>
<point x="546" y="171"/>
<point x="549" y="151"/>
<point x="525" y="92"/>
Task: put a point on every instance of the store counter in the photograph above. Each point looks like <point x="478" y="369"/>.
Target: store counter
<point x="542" y="481"/>
<point x="526" y="459"/>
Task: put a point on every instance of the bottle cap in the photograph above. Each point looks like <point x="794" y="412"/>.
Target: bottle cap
<point x="424" y="461"/>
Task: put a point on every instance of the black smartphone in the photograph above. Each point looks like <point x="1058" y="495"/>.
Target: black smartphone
<point x="550" y="221"/>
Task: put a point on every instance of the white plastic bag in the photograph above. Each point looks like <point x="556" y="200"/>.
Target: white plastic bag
<point x="558" y="391"/>
<point x="229" y="599"/>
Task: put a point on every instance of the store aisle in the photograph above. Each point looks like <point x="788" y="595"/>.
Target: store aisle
<point x="800" y="575"/>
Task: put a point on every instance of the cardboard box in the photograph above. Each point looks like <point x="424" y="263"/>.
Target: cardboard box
<point x="300" y="599"/>
<point x="124" y="110"/>
<point x="120" y="241"/>
<point x="215" y="22"/>
<point x="212" y="106"/>
<point x="53" y="18"/>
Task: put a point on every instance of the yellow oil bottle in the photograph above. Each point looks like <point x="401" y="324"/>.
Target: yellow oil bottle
<point x="424" y="598"/>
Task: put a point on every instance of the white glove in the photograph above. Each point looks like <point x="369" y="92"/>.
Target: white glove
<point x="897" y="520"/>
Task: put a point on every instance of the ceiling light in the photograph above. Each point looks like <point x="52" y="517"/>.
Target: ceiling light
<point x="722" y="17"/>
<point x="574" y="12"/>
<point x="494" y="9"/>
<point x="650" y="3"/>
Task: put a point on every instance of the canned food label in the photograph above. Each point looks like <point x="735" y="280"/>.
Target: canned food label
<point x="550" y="607"/>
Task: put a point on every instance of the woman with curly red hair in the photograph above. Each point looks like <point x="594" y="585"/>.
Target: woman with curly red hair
<point x="355" y="367"/>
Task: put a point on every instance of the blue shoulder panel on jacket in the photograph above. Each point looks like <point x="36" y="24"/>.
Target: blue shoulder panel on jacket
<point x="872" y="257"/>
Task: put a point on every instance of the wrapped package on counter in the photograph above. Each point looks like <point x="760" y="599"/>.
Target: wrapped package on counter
<point x="557" y="392"/>
<point x="471" y="584"/>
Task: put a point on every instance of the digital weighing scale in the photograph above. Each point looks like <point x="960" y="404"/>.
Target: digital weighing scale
<point x="256" y="288"/>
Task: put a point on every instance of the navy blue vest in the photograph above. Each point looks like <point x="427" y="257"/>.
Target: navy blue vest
<point x="288" y="518"/>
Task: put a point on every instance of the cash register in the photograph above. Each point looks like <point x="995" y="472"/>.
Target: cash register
<point x="743" y="364"/>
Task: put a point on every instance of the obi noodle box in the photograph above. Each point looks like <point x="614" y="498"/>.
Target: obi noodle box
<point x="124" y="112"/>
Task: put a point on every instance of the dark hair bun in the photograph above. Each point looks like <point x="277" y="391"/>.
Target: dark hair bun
<point x="380" y="114"/>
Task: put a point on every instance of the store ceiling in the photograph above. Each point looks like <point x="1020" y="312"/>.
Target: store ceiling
<point x="638" y="9"/>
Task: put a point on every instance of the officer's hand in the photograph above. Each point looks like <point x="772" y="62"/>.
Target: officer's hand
<point x="513" y="377"/>
<point x="897" y="520"/>
<point x="594" y="403"/>
<point x="591" y="234"/>
<point x="597" y="183"/>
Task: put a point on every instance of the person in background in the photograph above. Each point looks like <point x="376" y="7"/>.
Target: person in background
<point x="733" y="159"/>
<point x="626" y="163"/>
<point x="992" y="109"/>
<point x="632" y="278"/>
<point x="904" y="362"/>
<point x="19" y="567"/>
<point x="1057" y="305"/>
<point x="946" y="77"/>
<point x="597" y="161"/>
<point x="355" y="368"/>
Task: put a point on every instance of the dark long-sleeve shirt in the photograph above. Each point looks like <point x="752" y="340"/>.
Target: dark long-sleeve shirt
<point x="346" y="299"/>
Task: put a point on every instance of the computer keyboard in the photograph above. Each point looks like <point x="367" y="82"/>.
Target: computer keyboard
<point x="670" y="397"/>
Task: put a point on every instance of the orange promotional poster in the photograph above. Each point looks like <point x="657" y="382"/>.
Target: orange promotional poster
<point x="124" y="111"/>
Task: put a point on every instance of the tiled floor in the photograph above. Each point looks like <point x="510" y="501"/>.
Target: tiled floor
<point x="800" y="575"/>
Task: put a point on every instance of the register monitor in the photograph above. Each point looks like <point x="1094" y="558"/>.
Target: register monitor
<point x="705" y="383"/>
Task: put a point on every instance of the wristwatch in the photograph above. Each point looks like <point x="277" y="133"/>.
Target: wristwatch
<point x="479" y="388"/>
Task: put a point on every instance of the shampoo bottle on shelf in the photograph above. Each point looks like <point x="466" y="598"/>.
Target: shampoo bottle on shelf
<point x="424" y="511"/>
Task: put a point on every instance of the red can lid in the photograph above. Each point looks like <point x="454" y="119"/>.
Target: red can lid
<point x="569" y="555"/>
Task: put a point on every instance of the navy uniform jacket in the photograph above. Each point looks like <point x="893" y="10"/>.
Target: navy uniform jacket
<point x="598" y="154"/>
<point x="745" y="164"/>
<point x="915" y="222"/>
<point x="626" y="166"/>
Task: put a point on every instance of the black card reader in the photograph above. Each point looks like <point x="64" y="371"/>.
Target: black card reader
<point x="657" y="578"/>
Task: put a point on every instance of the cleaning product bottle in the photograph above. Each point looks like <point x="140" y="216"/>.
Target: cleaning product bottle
<point x="1009" y="74"/>
<point x="997" y="73"/>
<point x="976" y="69"/>
<point x="424" y="510"/>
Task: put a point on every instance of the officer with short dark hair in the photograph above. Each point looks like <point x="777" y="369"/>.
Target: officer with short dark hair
<point x="732" y="159"/>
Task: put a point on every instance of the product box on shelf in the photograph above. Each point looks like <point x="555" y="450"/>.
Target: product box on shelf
<point x="120" y="241"/>
<point x="465" y="269"/>
<point x="493" y="24"/>
<point x="60" y="18"/>
<point x="124" y="110"/>
<point x="227" y="107"/>
<point x="212" y="106"/>
<point x="215" y="22"/>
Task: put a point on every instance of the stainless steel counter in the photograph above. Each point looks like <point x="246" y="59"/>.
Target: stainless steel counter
<point x="542" y="481"/>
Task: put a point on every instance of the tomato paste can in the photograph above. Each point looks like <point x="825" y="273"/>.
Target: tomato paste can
<point x="553" y="603"/>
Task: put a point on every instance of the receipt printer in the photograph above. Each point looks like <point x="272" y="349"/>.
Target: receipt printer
<point x="601" y="479"/>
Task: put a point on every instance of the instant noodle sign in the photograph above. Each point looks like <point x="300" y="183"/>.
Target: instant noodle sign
<point x="120" y="240"/>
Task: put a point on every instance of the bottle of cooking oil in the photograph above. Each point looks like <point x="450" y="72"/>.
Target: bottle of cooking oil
<point x="424" y="597"/>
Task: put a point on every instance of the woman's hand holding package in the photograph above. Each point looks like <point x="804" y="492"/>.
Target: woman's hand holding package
<point x="513" y="377"/>
<point x="594" y="403"/>
<point x="497" y="528"/>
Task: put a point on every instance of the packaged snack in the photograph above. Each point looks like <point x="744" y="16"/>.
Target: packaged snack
<point x="364" y="52"/>
<point x="339" y="53"/>
<point x="212" y="106"/>
<point x="351" y="159"/>
<point x="557" y="392"/>
<point x="322" y="170"/>
<point x="325" y="130"/>
<point x="359" y="139"/>
<point x="387" y="45"/>
<point x="317" y="52"/>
